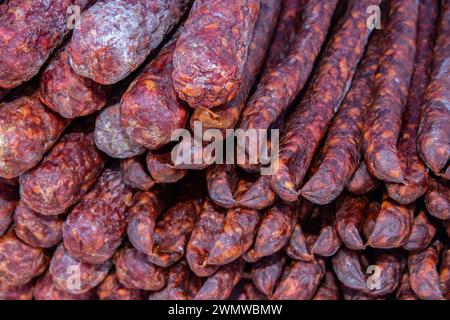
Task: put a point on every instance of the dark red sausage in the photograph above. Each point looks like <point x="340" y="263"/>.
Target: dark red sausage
<point x="413" y="169"/>
<point x="307" y="125"/>
<point x="9" y="199"/>
<point x="433" y="141"/>
<point x="437" y="198"/>
<point x="384" y="115"/>
<point x="362" y="181"/>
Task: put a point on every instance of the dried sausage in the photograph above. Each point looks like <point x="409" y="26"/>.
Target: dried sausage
<point x="300" y="280"/>
<point x="172" y="232"/>
<point x="220" y="285"/>
<point x="94" y="228"/>
<point x="444" y="273"/>
<point x="150" y="110"/>
<point x="329" y="289"/>
<point x="422" y="233"/>
<point x="221" y="180"/>
<point x="161" y="168"/>
<point x="68" y="93"/>
<point x="393" y="225"/>
<point x="341" y="150"/>
<point x="259" y="195"/>
<point x="280" y="85"/>
<point x="142" y="216"/>
<point x="424" y="276"/>
<point x="135" y="271"/>
<point x="404" y="290"/>
<point x="437" y="198"/>
<point x="73" y="276"/>
<point x="112" y="289"/>
<point x="227" y="116"/>
<point x="29" y="32"/>
<point x="64" y="176"/>
<point x="135" y="175"/>
<point x="35" y="229"/>
<point x="203" y="237"/>
<point x="433" y="141"/>
<point x="371" y="218"/>
<point x="110" y="136"/>
<point x="307" y="124"/>
<point x="236" y="236"/>
<point x="115" y="37"/>
<point x="266" y="272"/>
<point x="350" y="215"/>
<point x="216" y="33"/>
<point x="362" y="181"/>
<point x="328" y="241"/>
<point x="19" y="262"/>
<point x="275" y="230"/>
<point x="23" y="292"/>
<point x="9" y="199"/>
<point x="347" y="267"/>
<point x="27" y="131"/>
<point x="384" y="115"/>
<point x="414" y="170"/>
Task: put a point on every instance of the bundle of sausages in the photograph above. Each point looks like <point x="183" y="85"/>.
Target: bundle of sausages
<point x="94" y="205"/>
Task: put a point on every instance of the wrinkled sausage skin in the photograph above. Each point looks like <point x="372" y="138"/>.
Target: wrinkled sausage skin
<point x="221" y="39"/>
<point x="116" y="36"/>
<point x="64" y="176"/>
<point x="9" y="199"/>
<point x="94" y="228"/>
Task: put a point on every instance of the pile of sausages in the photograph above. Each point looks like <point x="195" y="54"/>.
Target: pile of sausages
<point x="93" y="206"/>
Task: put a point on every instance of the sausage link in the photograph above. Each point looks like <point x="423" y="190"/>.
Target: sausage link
<point x="112" y="289"/>
<point x="64" y="176"/>
<point x="135" y="175"/>
<point x="300" y="280"/>
<point x="216" y="33"/>
<point x="404" y="290"/>
<point x="288" y="25"/>
<point x="227" y="115"/>
<point x="35" y="229"/>
<point x="393" y="225"/>
<point x="236" y="237"/>
<point x="275" y="230"/>
<point x="142" y="216"/>
<point x="73" y="276"/>
<point x="388" y="265"/>
<point x="27" y="131"/>
<point x="437" y="198"/>
<point x="308" y="122"/>
<point x="66" y="92"/>
<point x="135" y="271"/>
<point x="329" y="289"/>
<point x="203" y="236"/>
<point x="414" y="170"/>
<point x="116" y="36"/>
<point x="422" y="233"/>
<point x="266" y="272"/>
<point x="350" y="215"/>
<point x="433" y="141"/>
<point x="220" y="285"/>
<point x="259" y="195"/>
<point x="30" y="31"/>
<point x="341" y="150"/>
<point x="9" y="198"/>
<point x="23" y="292"/>
<point x="110" y="136"/>
<point x="444" y="273"/>
<point x="297" y="247"/>
<point x="161" y="168"/>
<point x="45" y="289"/>
<point x="347" y="267"/>
<point x="279" y="86"/>
<point x="150" y="110"/>
<point x="371" y="218"/>
<point x="181" y="284"/>
<point x="19" y="262"/>
<point x="328" y="241"/>
<point x="172" y="233"/>
<point x="221" y="180"/>
<point x="384" y="115"/>
<point x="424" y="276"/>
<point x="94" y="228"/>
<point x="362" y="181"/>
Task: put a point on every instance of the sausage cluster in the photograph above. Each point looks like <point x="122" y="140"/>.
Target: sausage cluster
<point x="95" y="202"/>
